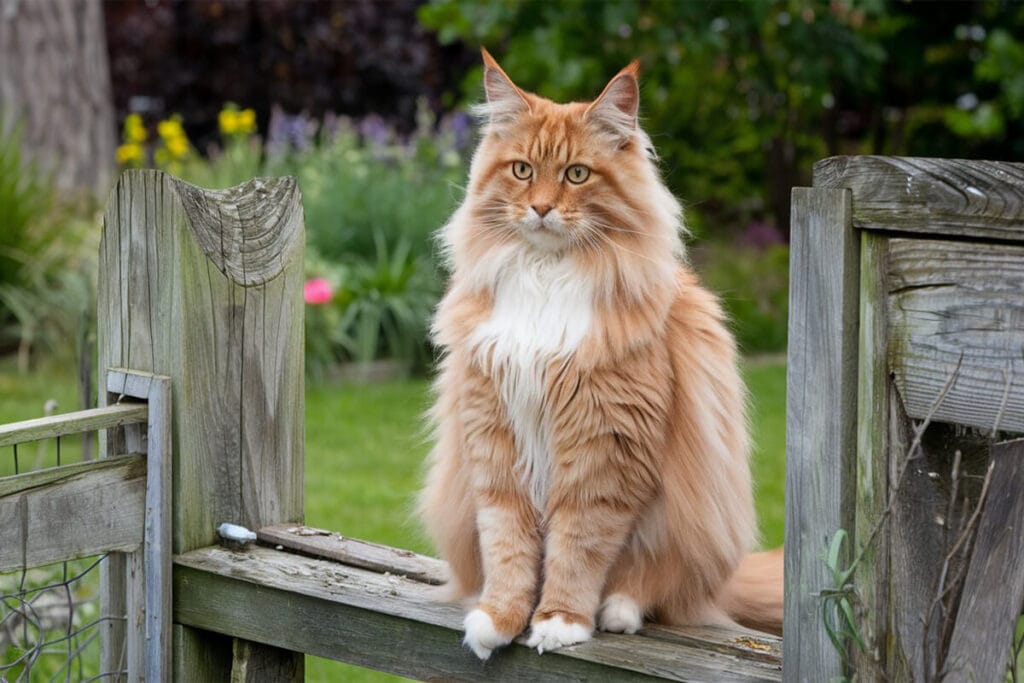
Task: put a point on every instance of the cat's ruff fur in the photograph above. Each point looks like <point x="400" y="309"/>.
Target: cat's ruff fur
<point x="591" y="465"/>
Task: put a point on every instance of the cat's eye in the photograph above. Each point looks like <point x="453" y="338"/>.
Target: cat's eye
<point x="522" y="170"/>
<point x="577" y="173"/>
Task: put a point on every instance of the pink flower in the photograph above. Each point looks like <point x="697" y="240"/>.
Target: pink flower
<point x="317" y="291"/>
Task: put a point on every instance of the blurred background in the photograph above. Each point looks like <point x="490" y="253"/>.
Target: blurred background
<point x="365" y="102"/>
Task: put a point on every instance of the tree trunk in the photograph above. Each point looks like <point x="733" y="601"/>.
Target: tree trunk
<point x="55" y="81"/>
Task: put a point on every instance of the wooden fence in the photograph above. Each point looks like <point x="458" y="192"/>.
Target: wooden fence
<point x="201" y="292"/>
<point x="907" y="291"/>
<point x="906" y="366"/>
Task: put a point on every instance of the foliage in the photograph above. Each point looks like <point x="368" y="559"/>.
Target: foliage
<point x="361" y="179"/>
<point x="47" y="260"/>
<point x="836" y="604"/>
<point x="359" y="57"/>
<point x="378" y="309"/>
<point x="741" y="98"/>
<point x="754" y="286"/>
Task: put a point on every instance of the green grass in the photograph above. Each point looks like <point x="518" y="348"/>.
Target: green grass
<point x="364" y="453"/>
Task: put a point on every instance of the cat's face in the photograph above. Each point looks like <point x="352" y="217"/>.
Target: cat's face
<point x="559" y="177"/>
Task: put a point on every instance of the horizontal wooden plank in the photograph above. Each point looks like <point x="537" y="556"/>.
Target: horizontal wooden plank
<point x="72" y="511"/>
<point x="355" y="552"/>
<point x="947" y="197"/>
<point x="331" y="545"/>
<point x="396" y="624"/>
<point x="956" y="304"/>
<point x="72" y="423"/>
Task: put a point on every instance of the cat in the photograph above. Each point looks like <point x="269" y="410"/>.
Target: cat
<point x="591" y="464"/>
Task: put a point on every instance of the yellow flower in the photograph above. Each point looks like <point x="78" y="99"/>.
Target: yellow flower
<point x="246" y="121"/>
<point x="177" y="146"/>
<point x="134" y="129"/>
<point x="234" y="122"/>
<point x="129" y="153"/>
<point x="170" y="129"/>
<point x="228" y="121"/>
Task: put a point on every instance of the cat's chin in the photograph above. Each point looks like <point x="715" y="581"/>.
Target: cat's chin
<point x="545" y="240"/>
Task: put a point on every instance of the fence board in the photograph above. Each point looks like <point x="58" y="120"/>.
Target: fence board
<point x="72" y="423"/>
<point x="396" y="624"/>
<point x="958" y="304"/>
<point x="821" y="403"/>
<point x="42" y="519"/>
<point x="205" y="287"/>
<point x="947" y="197"/>
<point x="330" y="545"/>
<point x="873" y="405"/>
<point x="992" y="599"/>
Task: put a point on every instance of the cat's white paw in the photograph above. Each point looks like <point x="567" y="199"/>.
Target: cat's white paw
<point x="620" y="614"/>
<point x="481" y="636"/>
<point x="551" y="634"/>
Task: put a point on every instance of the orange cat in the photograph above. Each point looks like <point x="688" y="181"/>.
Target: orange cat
<point x="592" y="460"/>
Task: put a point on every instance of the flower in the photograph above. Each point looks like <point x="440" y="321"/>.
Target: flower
<point x="234" y="122"/>
<point x="170" y="129"/>
<point x="134" y="129"/>
<point x="129" y="153"/>
<point x="317" y="291"/>
<point x="177" y="146"/>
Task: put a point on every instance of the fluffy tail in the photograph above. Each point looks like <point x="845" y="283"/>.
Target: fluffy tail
<point x="753" y="595"/>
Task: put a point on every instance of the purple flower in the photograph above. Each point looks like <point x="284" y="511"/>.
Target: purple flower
<point x="761" y="235"/>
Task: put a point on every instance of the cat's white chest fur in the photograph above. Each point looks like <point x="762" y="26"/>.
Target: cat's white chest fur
<point x="543" y="310"/>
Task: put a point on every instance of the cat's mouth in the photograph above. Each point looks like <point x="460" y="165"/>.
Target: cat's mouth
<point x="547" y="232"/>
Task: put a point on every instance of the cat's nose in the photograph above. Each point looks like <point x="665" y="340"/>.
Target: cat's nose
<point x="541" y="209"/>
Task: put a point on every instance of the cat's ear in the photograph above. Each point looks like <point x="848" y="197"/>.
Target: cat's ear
<point x="505" y="101"/>
<point x="617" y="106"/>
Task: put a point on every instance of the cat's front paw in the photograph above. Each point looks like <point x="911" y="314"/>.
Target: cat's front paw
<point x="554" y="632"/>
<point x="620" y="614"/>
<point x="481" y="635"/>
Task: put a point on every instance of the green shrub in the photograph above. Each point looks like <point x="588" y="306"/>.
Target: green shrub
<point x="47" y="260"/>
<point x="754" y="286"/>
<point x="354" y="189"/>
<point x="378" y="309"/>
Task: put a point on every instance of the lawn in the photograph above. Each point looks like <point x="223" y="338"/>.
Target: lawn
<point x="364" y="454"/>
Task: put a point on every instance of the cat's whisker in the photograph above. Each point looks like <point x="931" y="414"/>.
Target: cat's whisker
<point x="608" y="240"/>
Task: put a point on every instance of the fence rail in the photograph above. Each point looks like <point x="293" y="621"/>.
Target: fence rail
<point x="109" y="515"/>
<point x="57" y="526"/>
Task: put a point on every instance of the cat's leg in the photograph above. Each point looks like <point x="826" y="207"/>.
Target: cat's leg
<point x="594" y="504"/>
<point x="506" y="521"/>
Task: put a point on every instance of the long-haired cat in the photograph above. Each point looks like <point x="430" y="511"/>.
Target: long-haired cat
<point x="591" y="466"/>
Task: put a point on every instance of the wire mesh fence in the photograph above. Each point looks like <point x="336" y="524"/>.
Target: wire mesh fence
<point x="50" y="616"/>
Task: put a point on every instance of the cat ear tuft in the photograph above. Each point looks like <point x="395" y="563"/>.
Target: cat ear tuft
<point x="618" y="105"/>
<point x="505" y="101"/>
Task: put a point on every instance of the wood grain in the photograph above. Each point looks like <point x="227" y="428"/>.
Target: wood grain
<point x="994" y="590"/>
<point x="821" y="403"/>
<point x="225" y="325"/>
<point x="953" y="303"/>
<point x="396" y="624"/>
<point x="205" y="287"/>
<point x="72" y="511"/>
<point x="331" y="545"/>
<point x="939" y="197"/>
<point x="873" y="400"/>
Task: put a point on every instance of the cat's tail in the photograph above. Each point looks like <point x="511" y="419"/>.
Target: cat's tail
<point x="753" y="595"/>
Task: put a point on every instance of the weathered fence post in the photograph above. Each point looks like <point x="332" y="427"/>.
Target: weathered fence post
<point x="821" y="402"/>
<point x="205" y="287"/>
<point x="898" y="386"/>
